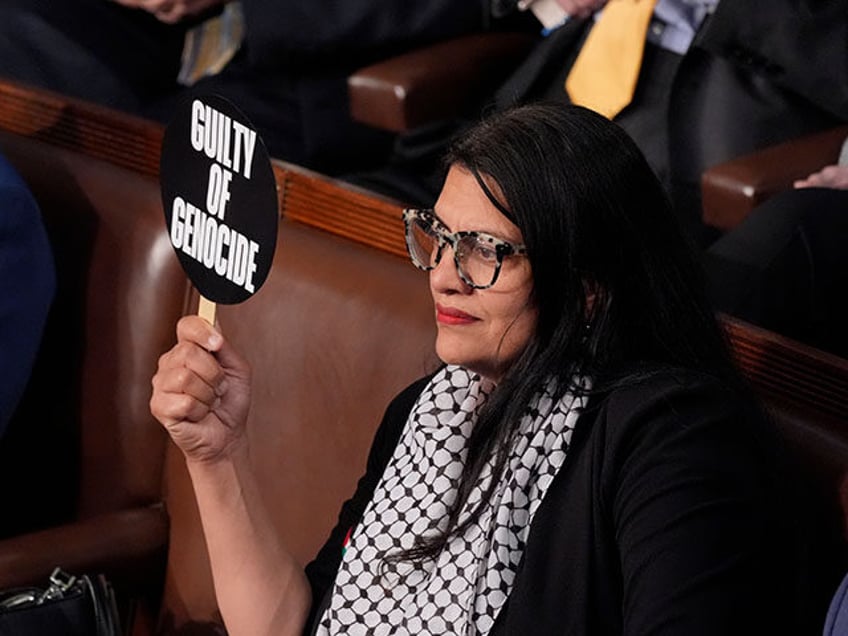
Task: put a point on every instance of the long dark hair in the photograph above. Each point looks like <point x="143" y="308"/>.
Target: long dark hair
<point x="597" y="224"/>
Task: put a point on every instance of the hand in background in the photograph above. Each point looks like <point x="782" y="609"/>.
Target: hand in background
<point x="172" y="11"/>
<point x="581" y="8"/>
<point x="828" y="177"/>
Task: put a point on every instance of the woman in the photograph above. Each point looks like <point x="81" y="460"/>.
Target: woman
<point x="586" y="462"/>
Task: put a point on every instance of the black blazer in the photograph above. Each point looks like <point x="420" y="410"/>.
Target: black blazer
<point x="800" y="45"/>
<point x="662" y="520"/>
<point x="349" y="33"/>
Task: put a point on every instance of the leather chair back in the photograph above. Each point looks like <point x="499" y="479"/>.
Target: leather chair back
<point x="92" y="445"/>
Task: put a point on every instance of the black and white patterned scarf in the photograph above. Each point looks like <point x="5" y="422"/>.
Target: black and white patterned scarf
<point x="464" y="588"/>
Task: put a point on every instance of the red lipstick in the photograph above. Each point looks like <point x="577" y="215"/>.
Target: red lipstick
<point x="451" y="316"/>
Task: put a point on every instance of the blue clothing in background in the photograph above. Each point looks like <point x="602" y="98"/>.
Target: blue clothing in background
<point x="676" y="22"/>
<point x="836" y="622"/>
<point x="27" y="285"/>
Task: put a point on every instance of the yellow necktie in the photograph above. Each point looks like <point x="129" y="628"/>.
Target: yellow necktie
<point x="604" y="74"/>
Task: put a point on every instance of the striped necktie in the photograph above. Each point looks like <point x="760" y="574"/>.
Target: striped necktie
<point x="211" y="44"/>
<point x="605" y="72"/>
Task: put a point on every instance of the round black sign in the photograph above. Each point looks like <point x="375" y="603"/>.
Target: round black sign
<point x="220" y="198"/>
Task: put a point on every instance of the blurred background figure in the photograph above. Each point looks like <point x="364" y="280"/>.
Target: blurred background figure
<point x="715" y="79"/>
<point x="28" y="283"/>
<point x="785" y="267"/>
<point x="91" y="49"/>
<point x="284" y="64"/>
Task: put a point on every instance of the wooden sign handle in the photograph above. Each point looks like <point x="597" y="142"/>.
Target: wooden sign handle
<point x="206" y="310"/>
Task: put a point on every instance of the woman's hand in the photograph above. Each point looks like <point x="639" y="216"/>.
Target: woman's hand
<point x="201" y="392"/>
<point x="172" y="11"/>
<point x="827" y="177"/>
<point x="201" y="395"/>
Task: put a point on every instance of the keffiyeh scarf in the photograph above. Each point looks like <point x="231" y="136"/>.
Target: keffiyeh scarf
<point x="464" y="588"/>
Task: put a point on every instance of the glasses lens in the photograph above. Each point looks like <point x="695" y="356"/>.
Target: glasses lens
<point x="478" y="260"/>
<point x="423" y="243"/>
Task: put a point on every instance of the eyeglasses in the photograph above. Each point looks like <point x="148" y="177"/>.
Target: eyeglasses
<point x="478" y="256"/>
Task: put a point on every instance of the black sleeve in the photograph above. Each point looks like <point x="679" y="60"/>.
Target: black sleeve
<point x="286" y="32"/>
<point x="321" y="572"/>
<point x="695" y="514"/>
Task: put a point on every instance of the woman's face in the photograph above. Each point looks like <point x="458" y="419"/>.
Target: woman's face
<point x="483" y="330"/>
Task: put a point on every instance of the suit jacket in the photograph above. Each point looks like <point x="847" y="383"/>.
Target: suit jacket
<point x="91" y="49"/>
<point x="290" y="77"/>
<point x="799" y="45"/>
<point x="349" y="33"/>
<point x="758" y="72"/>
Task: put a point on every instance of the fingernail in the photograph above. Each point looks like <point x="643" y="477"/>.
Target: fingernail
<point x="214" y="341"/>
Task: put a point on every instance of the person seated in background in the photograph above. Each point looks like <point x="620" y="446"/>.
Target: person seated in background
<point x="785" y="267"/>
<point x="287" y="73"/>
<point x="90" y="49"/>
<point x="28" y="282"/>
<point x="714" y="79"/>
<point x="587" y="459"/>
<point x="290" y="74"/>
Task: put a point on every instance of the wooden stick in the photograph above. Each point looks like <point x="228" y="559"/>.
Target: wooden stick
<point x="206" y="310"/>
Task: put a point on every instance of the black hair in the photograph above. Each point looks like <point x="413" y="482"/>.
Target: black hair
<point x="597" y="224"/>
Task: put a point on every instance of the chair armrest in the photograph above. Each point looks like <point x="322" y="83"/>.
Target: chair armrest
<point x="124" y="544"/>
<point x="730" y="190"/>
<point x="434" y="83"/>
